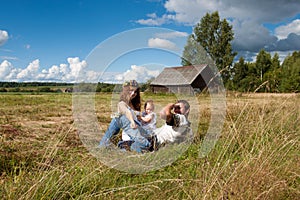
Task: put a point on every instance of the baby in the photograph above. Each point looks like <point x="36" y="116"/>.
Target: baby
<point x="147" y="119"/>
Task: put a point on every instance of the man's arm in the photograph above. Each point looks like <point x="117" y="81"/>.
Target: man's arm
<point x="166" y="113"/>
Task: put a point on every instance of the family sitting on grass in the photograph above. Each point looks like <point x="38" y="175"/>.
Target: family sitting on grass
<point x="139" y="132"/>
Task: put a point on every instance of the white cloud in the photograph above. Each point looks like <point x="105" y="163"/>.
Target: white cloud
<point x="174" y="34"/>
<point x="282" y="32"/>
<point x="5" y="69"/>
<point x="152" y="15"/>
<point x="153" y="20"/>
<point x="3" y="37"/>
<point x="188" y="13"/>
<point x="161" y="43"/>
<point x="75" y="70"/>
<point x="54" y="73"/>
<point x="8" y="58"/>
<point x="76" y="67"/>
<point x="64" y="69"/>
<point x="92" y="76"/>
<point x="140" y="73"/>
<point x="30" y="71"/>
<point x="282" y="54"/>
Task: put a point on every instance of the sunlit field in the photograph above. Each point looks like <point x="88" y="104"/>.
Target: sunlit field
<point x="255" y="157"/>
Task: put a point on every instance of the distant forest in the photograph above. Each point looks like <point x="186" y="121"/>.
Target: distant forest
<point x="267" y="74"/>
<point x="31" y="84"/>
<point x="60" y="87"/>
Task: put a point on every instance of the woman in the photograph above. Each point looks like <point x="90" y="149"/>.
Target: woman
<point x="128" y="107"/>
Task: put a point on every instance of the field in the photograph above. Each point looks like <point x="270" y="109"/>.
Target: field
<point x="255" y="157"/>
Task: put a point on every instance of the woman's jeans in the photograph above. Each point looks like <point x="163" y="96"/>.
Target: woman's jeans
<point x="138" y="135"/>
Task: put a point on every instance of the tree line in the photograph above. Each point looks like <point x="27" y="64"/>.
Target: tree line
<point x="31" y="84"/>
<point x="267" y="74"/>
<point x="33" y="87"/>
<point x="56" y="87"/>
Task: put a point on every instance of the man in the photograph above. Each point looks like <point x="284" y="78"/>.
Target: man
<point x="177" y="126"/>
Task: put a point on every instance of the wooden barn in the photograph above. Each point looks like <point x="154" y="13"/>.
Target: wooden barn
<point x="183" y="79"/>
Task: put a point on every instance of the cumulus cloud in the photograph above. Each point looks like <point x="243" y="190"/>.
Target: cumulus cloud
<point x="30" y="71"/>
<point x="291" y="43"/>
<point x="154" y="20"/>
<point x="139" y="73"/>
<point x="76" y="66"/>
<point x="5" y="69"/>
<point x="161" y="43"/>
<point x="251" y="36"/>
<point x="55" y="73"/>
<point x="194" y="10"/>
<point x="75" y="70"/>
<point x="188" y="13"/>
<point x="173" y="34"/>
<point x="3" y="37"/>
<point x="247" y="18"/>
<point x="282" y="32"/>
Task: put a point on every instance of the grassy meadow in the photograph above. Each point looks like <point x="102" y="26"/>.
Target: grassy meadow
<point x="256" y="156"/>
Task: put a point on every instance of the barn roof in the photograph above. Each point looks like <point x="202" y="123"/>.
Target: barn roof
<point x="184" y="75"/>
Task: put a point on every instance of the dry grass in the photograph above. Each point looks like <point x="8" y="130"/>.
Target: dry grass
<point x="256" y="157"/>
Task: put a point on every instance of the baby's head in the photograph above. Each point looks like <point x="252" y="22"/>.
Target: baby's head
<point x="149" y="106"/>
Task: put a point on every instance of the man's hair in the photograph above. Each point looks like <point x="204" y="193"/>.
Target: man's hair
<point x="186" y="104"/>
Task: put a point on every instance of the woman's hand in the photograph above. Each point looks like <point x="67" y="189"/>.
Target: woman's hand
<point x="133" y="125"/>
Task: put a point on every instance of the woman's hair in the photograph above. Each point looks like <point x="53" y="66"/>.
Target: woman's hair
<point x="134" y="103"/>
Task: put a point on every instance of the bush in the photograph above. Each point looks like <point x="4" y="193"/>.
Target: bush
<point x="3" y="90"/>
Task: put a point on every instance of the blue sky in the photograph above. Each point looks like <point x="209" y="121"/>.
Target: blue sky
<point x="60" y="40"/>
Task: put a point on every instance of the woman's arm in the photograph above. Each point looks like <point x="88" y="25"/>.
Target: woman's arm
<point x="123" y="109"/>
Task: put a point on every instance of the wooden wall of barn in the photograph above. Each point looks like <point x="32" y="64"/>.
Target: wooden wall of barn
<point x="177" y="89"/>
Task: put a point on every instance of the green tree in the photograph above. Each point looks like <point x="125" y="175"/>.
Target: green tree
<point x="273" y="75"/>
<point x="275" y="61"/>
<point x="240" y="72"/>
<point x="146" y="86"/>
<point x="194" y="53"/>
<point x="263" y="63"/>
<point x="291" y="73"/>
<point x="215" y="37"/>
<point x="252" y="79"/>
<point x="45" y="89"/>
